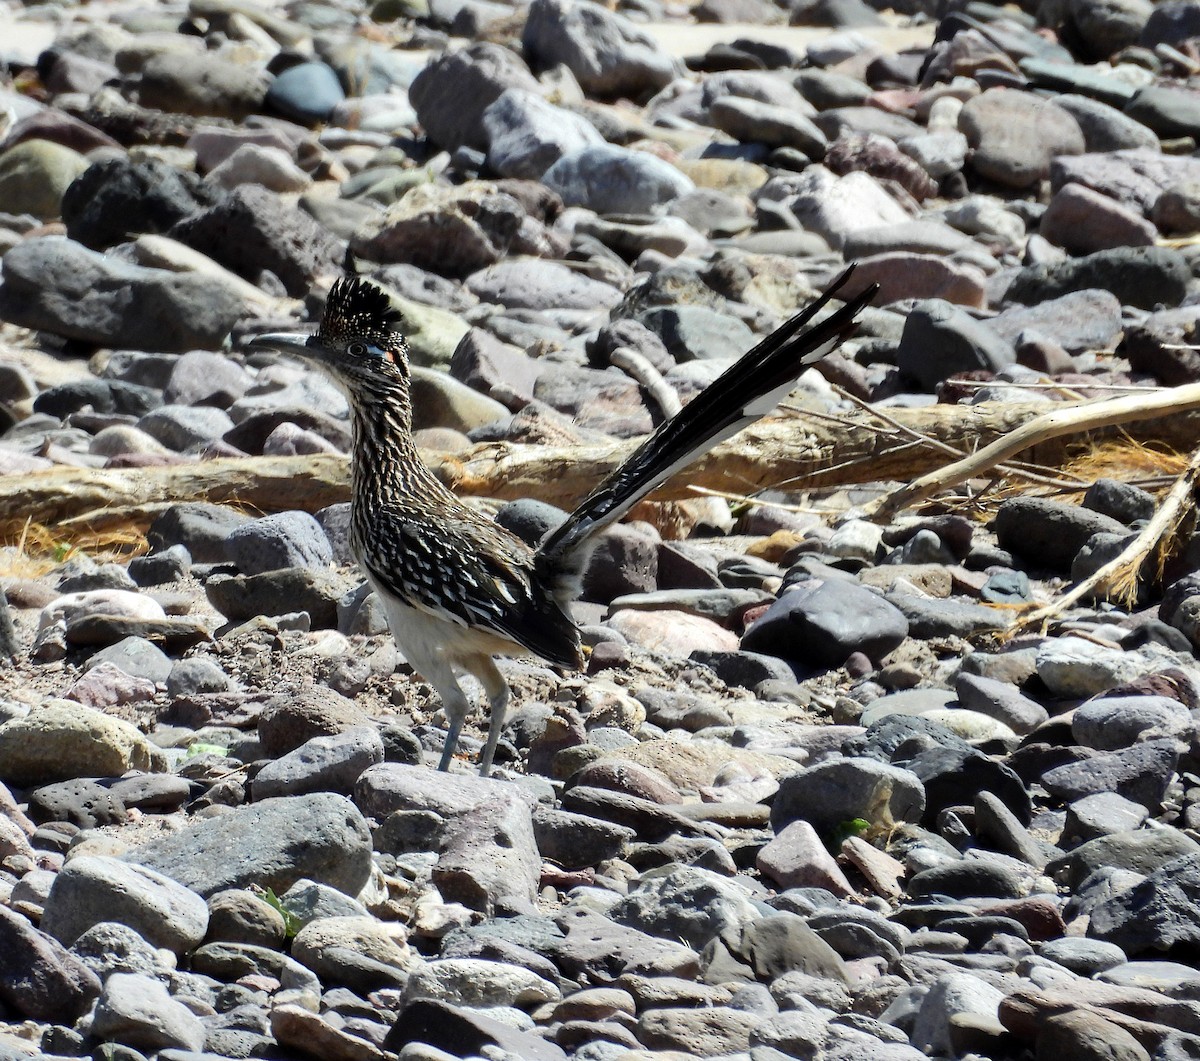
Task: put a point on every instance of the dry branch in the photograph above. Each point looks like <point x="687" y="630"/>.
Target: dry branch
<point x="800" y="450"/>
<point x="1061" y="420"/>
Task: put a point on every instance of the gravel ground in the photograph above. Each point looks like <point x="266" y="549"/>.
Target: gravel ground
<point x="811" y="797"/>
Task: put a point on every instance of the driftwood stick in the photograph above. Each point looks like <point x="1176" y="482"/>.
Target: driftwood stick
<point x="798" y="450"/>
<point x="1119" y="577"/>
<point x="1060" y="421"/>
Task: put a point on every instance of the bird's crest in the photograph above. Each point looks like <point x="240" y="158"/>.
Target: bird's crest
<point x="359" y="309"/>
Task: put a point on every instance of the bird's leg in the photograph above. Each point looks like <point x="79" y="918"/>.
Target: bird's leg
<point x="454" y="703"/>
<point x="497" y="693"/>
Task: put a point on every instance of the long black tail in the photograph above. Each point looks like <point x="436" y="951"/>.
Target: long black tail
<point x="744" y="393"/>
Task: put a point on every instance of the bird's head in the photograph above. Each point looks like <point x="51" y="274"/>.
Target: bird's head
<point x="360" y="343"/>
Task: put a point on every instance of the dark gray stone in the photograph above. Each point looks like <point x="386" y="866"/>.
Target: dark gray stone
<point x="1139" y="850"/>
<point x="831" y="793"/>
<point x="1141" y="773"/>
<point x="80" y="801"/>
<point x="283" y="592"/>
<point x="941" y="340"/>
<point x="697" y="333"/>
<point x="453" y="90"/>
<point x="56" y="285"/>
<point x="607" y="53"/>
<point x="1145" y="277"/>
<point x="1155" y="915"/>
<point x="39" y="978"/>
<point x="283" y="539"/>
<point x="253" y="230"/>
<point x="463" y="1032"/>
<point x="116" y="198"/>
<point x="1049" y="533"/>
<point x="824" y="622"/>
<point x="201" y="528"/>
<point x="277" y="842"/>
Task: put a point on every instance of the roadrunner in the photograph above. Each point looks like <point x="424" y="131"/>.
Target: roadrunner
<point x="457" y="588"/>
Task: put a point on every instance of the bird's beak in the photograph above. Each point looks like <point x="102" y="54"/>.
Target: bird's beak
<point x="285" y="342"/>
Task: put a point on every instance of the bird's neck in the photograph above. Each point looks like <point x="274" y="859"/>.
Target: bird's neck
<point x="385" y="464"/>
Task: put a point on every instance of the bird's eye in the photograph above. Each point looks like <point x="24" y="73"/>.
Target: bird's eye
<point x="357" y="349"/>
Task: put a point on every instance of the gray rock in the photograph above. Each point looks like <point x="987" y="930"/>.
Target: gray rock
<point x="95" y="888"/>
<point x="824" y="622"/>
<point x="1121" y="500"/>
<point x="203" y="378"/>
<point x="56" y="285"/>
<point x="467" y="1031"/>
<point x="697" y="333"/>
<point x="1078" y="667"/>
<point x="615" y="180"/>
<point x="950" y="617"/>
<point x="283" y="539"/>
<point x="1145" y="277"/>
<point x="1105" y="128"/>
<point x="118" y="196"/>
<point x="1086" y="957"/>
<point x="1140" y="850"/>
<point x="526" y="134"/>
<point x="1100" y="815"/>
<point x="79" y="801"/>
<point x="607" y="53"/>
<point x="834" y="206"/>
<point x="1141" y="773"/>
<point x="1155" y="915"/>
<point x="488" y="853"/>
<point x="597" y="949"/>
<point x="768" y="123"/>
<point x="137" y="1011"/>
<point x="306" y="93"/>
<point x="136" y="656"/>
<point x="831" y="793"/>
<point x="180" y="427"/>
<point x="201" y="83"/>
<point x="940" y="340"/>
<point x="576" y="841"/>
<point x="293" y="717"/>
<point x="454" y="89"/>
<point x="158" y="569"/>
<point x="952" y="995"/>
<point x="690" y="904"/>
<point x="1109" y="26"/>
<point x="110" y="947"/>
<point x="252" y="230"/>
<point x="279" y="841"/>
<point x="40" y="979"/>
<point x="306" y="900"/>
<point x="538" y="285"/>
<point x="188" y="677"/>
<point x="1134" y="177"/>
<point x="1082" y="220"/>
<point x="323" y="764"/>
<point x="284" y="592"/>
<point x="968" y="878"/>
<point x="1001" y="701"/>
<point x="1168" y="110"/>
<point x="201" y="528"/>
<point x="771" y="946"/>
<point x="1177" y="210"/>
<point x="1117" y="722"/>
<point x="1049" y="533"/>
<point x="239" y="916"/>
<point x="1015" y="135"/>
